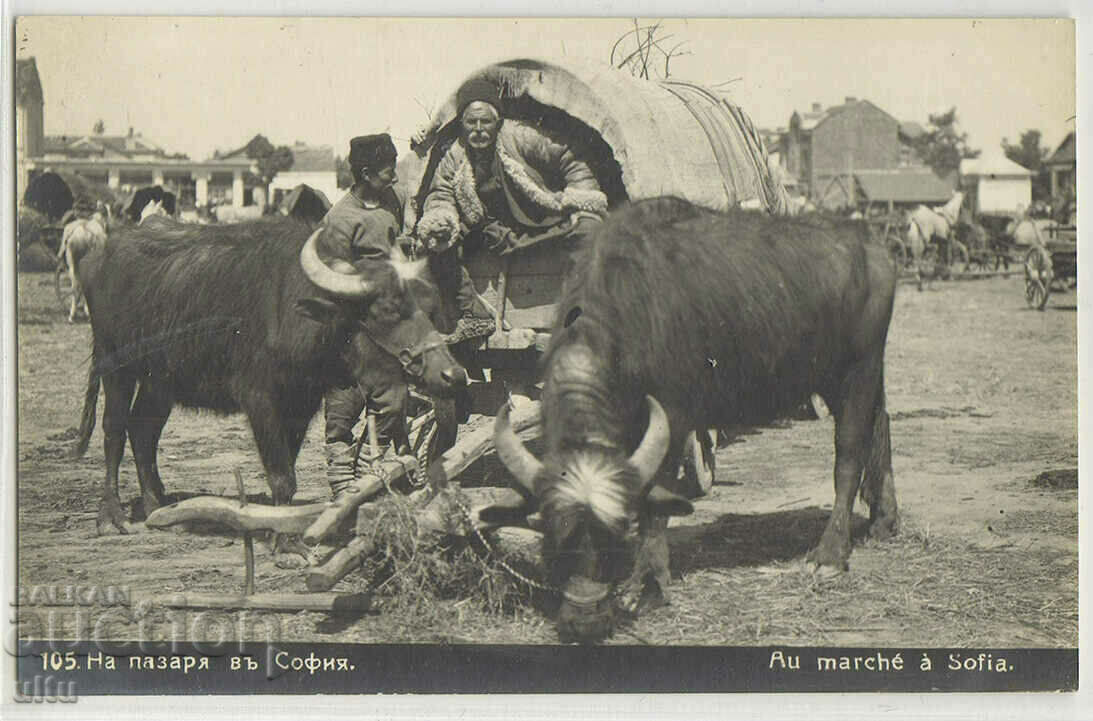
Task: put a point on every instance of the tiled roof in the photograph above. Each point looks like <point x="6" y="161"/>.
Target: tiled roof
<point x="312" y="158"/>
<point x="1067" y="152"/>
<point x="904" y="185"/>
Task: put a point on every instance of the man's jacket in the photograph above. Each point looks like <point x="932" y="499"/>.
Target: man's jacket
<point x="543" y="179"/>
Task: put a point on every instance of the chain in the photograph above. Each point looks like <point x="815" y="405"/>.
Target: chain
<point x="497" y="557"/>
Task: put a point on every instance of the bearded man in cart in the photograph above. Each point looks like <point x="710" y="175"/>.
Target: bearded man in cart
<point x="502" y="185"/>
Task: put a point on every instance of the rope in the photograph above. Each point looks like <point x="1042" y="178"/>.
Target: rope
<point x="496" y="556"/>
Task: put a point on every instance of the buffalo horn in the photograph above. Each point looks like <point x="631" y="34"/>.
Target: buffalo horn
<point x="346" y="285"/>
<point x="510" y="449"/>
<point x="648" y="456"/>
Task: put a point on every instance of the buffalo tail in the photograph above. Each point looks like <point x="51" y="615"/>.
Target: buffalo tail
<point x="90" y="401"/>
<point x="879" y="461"/>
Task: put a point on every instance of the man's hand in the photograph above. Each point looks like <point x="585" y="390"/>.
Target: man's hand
<point x="498" y="237"/>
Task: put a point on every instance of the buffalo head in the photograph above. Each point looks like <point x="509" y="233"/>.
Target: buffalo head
<point x="596" y="503"/>
<point x="378" y="311"/>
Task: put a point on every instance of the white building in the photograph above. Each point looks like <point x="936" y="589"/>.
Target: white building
<point x="120" y="162"/>
<point x="313" y="165"/>
<point x="996" y="184"/>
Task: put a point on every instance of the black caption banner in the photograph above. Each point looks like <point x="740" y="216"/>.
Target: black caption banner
<point x="57" y="670"/>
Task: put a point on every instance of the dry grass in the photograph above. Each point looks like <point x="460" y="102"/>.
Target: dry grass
<point x="918" y="588"/>
<point x="410" y="574"/>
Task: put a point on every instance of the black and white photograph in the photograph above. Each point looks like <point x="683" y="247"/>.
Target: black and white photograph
<point x="371" y="355"/>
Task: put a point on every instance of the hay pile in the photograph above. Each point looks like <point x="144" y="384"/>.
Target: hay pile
<point x="413" y="567"/>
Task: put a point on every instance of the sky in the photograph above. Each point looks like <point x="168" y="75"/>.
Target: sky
<point x="195" y="85"/>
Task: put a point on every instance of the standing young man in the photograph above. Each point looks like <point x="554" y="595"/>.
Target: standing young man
<point x="364" y="224"/>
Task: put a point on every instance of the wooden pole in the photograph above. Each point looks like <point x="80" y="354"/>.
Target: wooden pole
<point x="326" y="602"/>
<point x="248" y="541"/>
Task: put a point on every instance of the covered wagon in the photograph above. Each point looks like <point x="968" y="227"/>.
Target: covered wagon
<point x="641" y="138"/>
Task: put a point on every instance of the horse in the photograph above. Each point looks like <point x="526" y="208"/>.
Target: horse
<point x="929" y="225"/>
<point x="78" y="238"/>
<point x="1025" y="232"/>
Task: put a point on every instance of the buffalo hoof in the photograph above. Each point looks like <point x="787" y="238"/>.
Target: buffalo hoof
<point x="826" y="564"/>
<point x="111" y="514"/>
<point x="290" y="561"/>
<point x="884" y="528"/>
<point x="290" y="552"/>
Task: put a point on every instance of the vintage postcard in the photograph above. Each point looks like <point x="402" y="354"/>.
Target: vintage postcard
<point x="378" y="355"/>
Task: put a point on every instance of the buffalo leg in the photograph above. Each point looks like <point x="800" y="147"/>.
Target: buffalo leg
<point x="146" y="421"/>
<point x="278" y="437"/>
<point x="272" y="435"/>
<point x="118" y="392"/>
<point x="853" y="435"/>
<point x="652" y="559"/>
<point x="878" y="486"/>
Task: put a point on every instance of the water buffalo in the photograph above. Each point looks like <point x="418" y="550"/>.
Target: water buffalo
<point x="676" y="318"/>
<point x="244" y="318"/>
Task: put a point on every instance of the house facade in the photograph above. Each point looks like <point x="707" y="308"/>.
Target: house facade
<point x="1062" y="167"/>
<point x="995" y="184"/>
<point x="120" y="162"/>
<point x="313" y="165"/>
<point x="837" y="152"/>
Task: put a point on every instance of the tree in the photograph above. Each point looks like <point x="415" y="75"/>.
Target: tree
<point x="1028" y="154"/>
<point x="271" y="160"/>
<point x="345" y="175"/>
<point x="943" y="146"/>
<point x="100" y="127"/>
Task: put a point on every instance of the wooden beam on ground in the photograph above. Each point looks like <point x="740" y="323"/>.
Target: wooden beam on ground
<point x="362" y="489"/>
<point x="228" y="512"/>
<point x="475" y="444"/>
<point x="325" y="602"/>
<point x="323" y="578"/>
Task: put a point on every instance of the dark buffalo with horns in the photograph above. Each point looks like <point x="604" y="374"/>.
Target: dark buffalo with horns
<point x="676" y="318"/>
<point x="247" y="318"/>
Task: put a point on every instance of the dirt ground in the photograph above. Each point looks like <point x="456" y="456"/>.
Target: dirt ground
<point x="983" y="398"/>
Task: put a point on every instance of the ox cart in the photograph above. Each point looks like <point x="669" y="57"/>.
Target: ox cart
<point x="644" y="139"/>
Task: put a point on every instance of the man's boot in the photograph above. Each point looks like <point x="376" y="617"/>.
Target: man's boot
<point x="475" y="320"/>
<point x="341" y="466"/>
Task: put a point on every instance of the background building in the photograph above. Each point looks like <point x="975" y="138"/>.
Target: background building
<point x="1062" y="166"/>
<point x="856" y="152"/>
<point x="119" y="162"/>
<point x="313" y="165"/>
<point x="996" y="184"/>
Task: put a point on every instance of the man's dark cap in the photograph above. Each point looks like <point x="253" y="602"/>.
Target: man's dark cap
<point x="478" y="89"/>
<point x="372" y="151"/>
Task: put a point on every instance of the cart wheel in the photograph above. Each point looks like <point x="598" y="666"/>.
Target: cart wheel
<point x="700" y="460"/>
<point x="1035" y="293"/>
<point x="1038" y="276"/>
<point x="433" y="428"/>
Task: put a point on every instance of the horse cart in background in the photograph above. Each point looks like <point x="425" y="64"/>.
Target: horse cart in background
<point x="1054" y="261"/>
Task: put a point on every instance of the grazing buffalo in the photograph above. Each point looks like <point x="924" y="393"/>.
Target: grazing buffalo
<point x="243" y="318"/>
<point x="676" y="318"/>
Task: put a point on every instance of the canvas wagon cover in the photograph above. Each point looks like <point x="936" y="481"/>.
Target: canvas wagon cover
<point x="669" y="137"/>
<point x="54" y="193"/>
